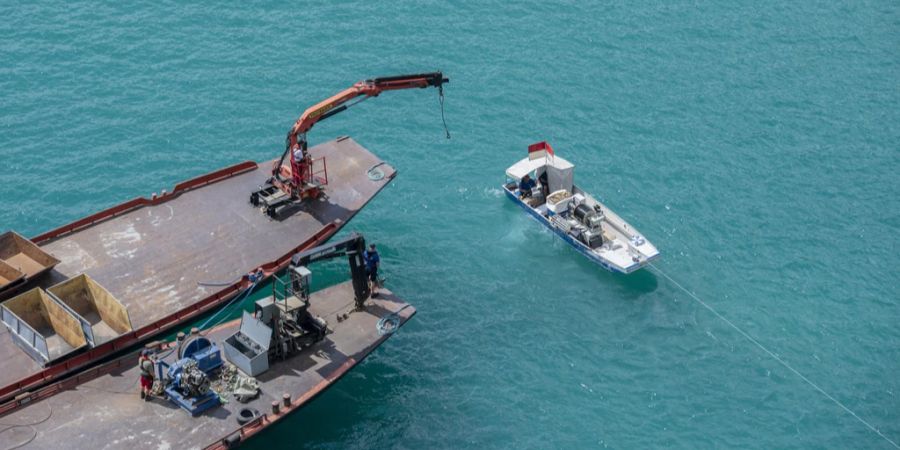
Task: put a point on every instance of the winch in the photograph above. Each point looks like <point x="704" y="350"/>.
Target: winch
<point x="186" y="377"/>
<point x="186" y="381"/>
<point x="590" y="218"/>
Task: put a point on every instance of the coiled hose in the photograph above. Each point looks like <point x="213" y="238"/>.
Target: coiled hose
<point x="390" y="322"/>
<point x="255" y="278"/>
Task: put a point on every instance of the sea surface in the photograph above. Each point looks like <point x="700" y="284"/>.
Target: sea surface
<point x="757" y="144"/>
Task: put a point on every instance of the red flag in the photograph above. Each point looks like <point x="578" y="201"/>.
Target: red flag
<point x="540" y="149"/>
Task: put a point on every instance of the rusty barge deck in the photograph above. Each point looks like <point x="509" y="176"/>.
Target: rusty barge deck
<point x="171" y="258"/>
<point x="102" y="408"/>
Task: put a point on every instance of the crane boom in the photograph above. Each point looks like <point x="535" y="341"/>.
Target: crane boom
<point x="353" y="247"/>
<point x="296" y="178"/>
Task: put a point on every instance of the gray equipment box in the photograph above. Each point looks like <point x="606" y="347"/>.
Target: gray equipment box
<point x="248" y="349"/>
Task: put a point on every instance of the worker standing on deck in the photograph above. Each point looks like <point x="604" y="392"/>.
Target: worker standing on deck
<point x="372" y="263"/>
<point x="146" y="365"/>
<point x="545" y="186"/>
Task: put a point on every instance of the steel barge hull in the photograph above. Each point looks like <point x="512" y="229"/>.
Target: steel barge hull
<point x="170" y="258"/>
<point x="100" y="408"/>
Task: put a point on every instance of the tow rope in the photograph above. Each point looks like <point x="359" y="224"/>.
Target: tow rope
<point x="773" y="355"/>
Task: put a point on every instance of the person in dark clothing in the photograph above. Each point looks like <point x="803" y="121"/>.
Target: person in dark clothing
<point x="146" y="365"/>
<point x="545" y="187"/>
<point x="525" y="186"/>
<point x="372" y="262"/>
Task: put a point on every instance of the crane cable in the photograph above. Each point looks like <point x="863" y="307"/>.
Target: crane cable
<point x="254" y="278"/>
<point x="774" y="356"/>
<point x="441" y="100"/>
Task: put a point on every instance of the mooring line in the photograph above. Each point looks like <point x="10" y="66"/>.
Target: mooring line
<point x="774" y="356"/>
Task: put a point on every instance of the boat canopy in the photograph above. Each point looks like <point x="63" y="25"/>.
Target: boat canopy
<point x="526" y="166"/>
<point x="559" y="171"/>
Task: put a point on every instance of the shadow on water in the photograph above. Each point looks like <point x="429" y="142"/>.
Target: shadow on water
<point x="641" y="282"/>
<point x="349" y="402"/>
<point x="631" y="286"/>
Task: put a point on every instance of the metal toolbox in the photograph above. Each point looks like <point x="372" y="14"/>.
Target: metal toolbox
<point x="248" y="349"/>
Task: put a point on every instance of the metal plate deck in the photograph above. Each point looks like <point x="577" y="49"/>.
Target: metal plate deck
<point x="107" y="412"/>
<point x="154" y="258"/>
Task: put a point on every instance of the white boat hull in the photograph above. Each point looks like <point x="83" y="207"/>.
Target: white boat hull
<point x="624" y="249"/>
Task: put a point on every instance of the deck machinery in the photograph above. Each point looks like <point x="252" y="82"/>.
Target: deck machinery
<point x="305" y="177"/>
<point x="186" y="382"/>
<point x="285" y="316"/>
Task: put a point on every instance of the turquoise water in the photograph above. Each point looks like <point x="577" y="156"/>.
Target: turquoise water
<point x="755" y="144"/>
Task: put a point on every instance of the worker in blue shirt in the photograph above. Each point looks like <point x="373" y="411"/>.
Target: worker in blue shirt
<point x="525" y="186"/>
<point x="372" y="262"/>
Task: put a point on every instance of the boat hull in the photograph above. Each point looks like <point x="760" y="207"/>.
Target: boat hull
<point x="173" y="257"/>
<point x="112" y="414"/>
<point x="580" y="248"/>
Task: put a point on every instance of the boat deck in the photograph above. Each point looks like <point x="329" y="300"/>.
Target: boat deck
<point x="107" y="412"/>
<point x="617" y="254"/>
<point x="155" y="259"/>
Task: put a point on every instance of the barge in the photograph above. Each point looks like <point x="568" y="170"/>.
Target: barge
<point x="101" y="408"/>
<point x="152" y="264"/>
<point x="542" y="184"/>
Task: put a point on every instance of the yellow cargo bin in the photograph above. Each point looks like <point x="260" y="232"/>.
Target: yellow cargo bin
<point x="9" y="276"/>
<point x="24" y="255"/>
<point x="102" y="316"/>
<point x="43" y="328"/>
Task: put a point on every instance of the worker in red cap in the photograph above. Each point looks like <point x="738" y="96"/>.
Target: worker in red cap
<point x="145" y="363"/>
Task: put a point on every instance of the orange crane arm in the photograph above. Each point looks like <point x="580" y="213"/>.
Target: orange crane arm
<point x="296" y="138"/>
<point x="369" y="88"/>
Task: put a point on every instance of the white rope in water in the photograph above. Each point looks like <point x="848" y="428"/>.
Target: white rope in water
<point x="774" y="356"/>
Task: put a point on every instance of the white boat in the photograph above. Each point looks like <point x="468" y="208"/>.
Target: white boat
<point x="586" y="224"/>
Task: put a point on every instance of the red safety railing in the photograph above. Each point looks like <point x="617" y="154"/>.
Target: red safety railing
<point x="254" y="426"/>
<point x="140" y="202"/>
<point x="36" y="386"/>
<point x="320" y="175"/>
<point x="15" y="395"/>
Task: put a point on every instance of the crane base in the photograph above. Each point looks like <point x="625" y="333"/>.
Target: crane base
<point x="274" y="202"/>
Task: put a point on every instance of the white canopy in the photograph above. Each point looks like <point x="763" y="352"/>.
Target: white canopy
<point x="526" y="166"/>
